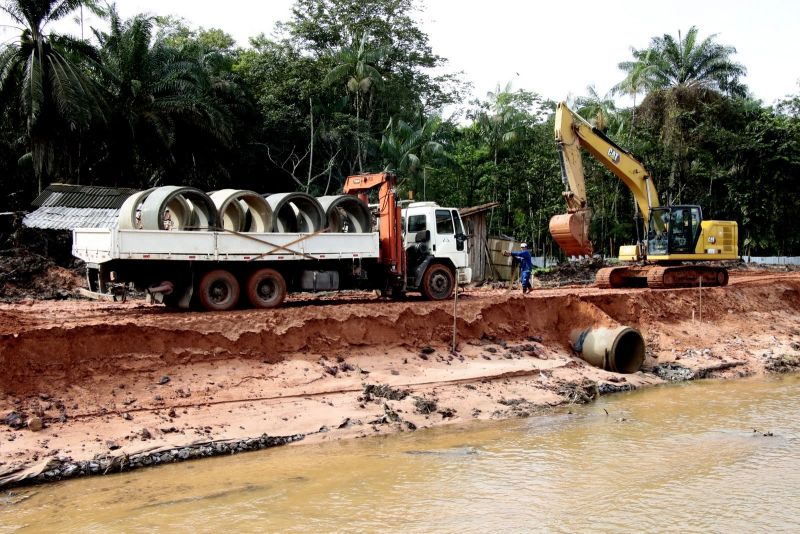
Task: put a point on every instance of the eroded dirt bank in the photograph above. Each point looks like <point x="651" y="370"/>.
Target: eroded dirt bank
<point x="112" y="383"/>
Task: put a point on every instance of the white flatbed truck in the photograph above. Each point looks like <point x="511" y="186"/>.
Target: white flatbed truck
<point x="419" y="248"/>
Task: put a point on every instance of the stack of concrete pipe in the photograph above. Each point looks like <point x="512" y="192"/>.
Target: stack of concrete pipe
<point x="238" y="210"/>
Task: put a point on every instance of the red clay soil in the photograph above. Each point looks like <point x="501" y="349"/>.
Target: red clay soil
<point x="112" y="376"/>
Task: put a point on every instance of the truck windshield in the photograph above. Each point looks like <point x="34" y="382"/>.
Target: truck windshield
<point x="444" y="222"/>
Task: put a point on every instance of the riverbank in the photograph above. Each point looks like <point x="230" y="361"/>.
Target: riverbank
<point x="122" y="386"/>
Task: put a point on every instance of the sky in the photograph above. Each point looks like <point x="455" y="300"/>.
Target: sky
<point x="555" y="49"/>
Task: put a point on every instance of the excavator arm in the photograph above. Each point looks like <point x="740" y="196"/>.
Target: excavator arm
<point x="572" y="132"/>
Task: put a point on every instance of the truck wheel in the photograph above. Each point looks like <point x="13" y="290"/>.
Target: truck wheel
<point x="438" y="282"/>
<point x="218" y="291"/>
<point x="266" y="288"/>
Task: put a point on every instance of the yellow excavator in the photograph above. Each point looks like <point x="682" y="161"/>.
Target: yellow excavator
<point x="672" y="234"/>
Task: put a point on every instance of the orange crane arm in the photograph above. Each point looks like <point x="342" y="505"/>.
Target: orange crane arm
<point x="390" y="229"/>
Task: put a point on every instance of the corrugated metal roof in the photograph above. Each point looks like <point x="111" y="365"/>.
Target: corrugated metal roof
<point x="82" y="196"/>
<point x="63" y="218"/>
<point x="466" y="212"/>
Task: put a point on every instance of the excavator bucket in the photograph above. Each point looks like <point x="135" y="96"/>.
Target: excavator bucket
<point x="571" y="232"/>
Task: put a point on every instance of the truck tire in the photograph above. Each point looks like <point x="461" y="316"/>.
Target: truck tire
<point x="218" y="290"/>
<point x="266" y="288"/>
<point x="438" y="282"/>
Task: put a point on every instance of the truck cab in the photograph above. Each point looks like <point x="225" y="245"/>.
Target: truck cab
<point x="436" y="249"/>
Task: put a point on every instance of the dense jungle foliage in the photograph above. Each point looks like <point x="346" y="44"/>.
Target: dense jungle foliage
<point x="350" y="86"/>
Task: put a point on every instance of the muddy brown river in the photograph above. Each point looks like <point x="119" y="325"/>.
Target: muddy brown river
<point x="702" y="457"/>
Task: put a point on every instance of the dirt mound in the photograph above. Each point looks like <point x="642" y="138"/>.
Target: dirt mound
<point x="27" y="275"/>
<point x="581" y="271"/>
<point x="145" y="340"/>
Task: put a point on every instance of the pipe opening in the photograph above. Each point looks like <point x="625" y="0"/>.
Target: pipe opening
<point x="296" y="213"/>
<point x="346" y="214"/>
<point x="178" y="208"/>
<point x="619" y="350"/>
<point x="627" y="353"/>
<point x="242" y="210"/>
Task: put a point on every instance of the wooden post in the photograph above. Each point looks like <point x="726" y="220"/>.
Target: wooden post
<point x="701" y="298"/>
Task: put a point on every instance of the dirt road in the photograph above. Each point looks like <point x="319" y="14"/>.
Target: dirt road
<point x="119" y="380"/>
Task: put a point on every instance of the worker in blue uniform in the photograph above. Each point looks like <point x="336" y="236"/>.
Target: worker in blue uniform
<point x="526" y="265"/>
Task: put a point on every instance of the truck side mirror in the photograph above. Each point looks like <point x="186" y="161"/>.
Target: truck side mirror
<point x="460" y="239"/>
<point x="423" y="237"/>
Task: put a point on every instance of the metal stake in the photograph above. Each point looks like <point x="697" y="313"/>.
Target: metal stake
<point x="455" y="312"/>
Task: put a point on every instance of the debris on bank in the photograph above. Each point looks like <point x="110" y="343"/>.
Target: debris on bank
<point x="27" y="275"/>
<point x="577" y="272"/>
<point x="63" y="467"/>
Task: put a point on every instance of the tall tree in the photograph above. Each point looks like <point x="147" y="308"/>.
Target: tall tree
<point x="600" y="110"/>
<point x="684" y="75"/>
<point x="167" y="104"/>
<point x="686" y="61"/>
<point x="639" y="75"/>
<point x="354" y="65"/>
<point x="45" y="74"/>
<point x="503" y="121"/>
<point x="408" y="150"/>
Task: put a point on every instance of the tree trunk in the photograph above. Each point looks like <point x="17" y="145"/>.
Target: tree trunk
<point x="311" y="144"/>
<point x="358" y="133"/>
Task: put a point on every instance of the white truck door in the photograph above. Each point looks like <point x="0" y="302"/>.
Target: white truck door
<point x="445" y="233"/>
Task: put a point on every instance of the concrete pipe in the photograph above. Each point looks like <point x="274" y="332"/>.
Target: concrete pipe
<point x="189" y="208"/>
<point x="243" y="211"/>
<point x="231" y="213"/>
<point x="620" y="350"/>
<point x="346" y="213"/>
<point x="127" y="213"/>
<point x="296" y="212"/>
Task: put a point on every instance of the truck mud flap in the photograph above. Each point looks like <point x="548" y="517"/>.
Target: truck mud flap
<point x="419" y="272"/>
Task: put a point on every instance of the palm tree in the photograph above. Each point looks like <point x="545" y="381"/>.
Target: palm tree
<point x="598" y="109"/>
<point x="407" y="149"/>
<point x="160" y="95"/>
<point x="355" y="66"/>
<point x="638" y="78"/>
<point x="687" y="62"/>
<point x="680" y="74"/>
<point x="503" y="123"/>
<point x="47" y="75"/>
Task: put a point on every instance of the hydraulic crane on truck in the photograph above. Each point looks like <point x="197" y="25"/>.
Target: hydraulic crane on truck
<point x="673" y="234"/>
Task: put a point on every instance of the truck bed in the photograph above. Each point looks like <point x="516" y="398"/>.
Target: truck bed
<point x="100" y="245"/>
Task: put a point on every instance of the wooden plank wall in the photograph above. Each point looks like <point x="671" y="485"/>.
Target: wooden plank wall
<point x="476" y="227"/>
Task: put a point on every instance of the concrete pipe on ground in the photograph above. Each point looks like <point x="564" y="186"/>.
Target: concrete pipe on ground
<point x="189" y="209"/>
<point x="127" y="213"/>
<point x="243" y="211"/>
<point x="296" y="212"/>
<point x="346" y="213"/>
<point x="620" y="350"/>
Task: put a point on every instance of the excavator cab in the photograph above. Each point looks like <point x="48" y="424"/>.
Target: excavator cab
<point x="673" y="230"/>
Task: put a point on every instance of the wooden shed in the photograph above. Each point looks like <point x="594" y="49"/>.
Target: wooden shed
<point x="476" y="226"/>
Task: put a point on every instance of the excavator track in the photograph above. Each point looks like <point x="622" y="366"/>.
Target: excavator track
<point x="675" y="276"/>
<point x="661" y="276"/>
<point x="611" y="277"/>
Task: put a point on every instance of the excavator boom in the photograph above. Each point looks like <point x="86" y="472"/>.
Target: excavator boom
<point x="572" y="132"/>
